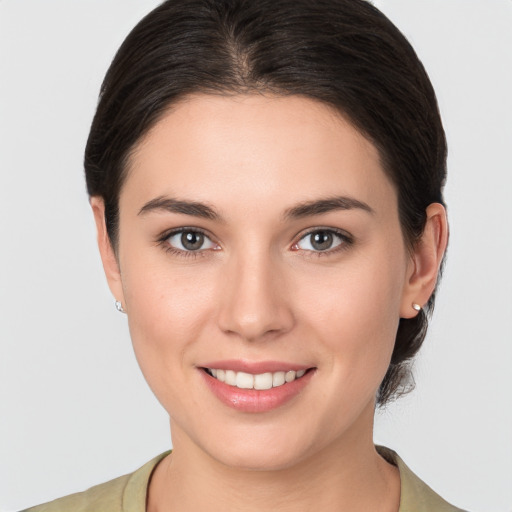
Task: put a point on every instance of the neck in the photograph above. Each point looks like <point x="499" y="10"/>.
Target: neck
<point x="346" y="475"/>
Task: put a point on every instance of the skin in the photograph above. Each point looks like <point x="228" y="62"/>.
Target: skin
<point x="260" y="291"/>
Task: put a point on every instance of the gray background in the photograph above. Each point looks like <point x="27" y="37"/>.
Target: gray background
<point x="74" y="408"/>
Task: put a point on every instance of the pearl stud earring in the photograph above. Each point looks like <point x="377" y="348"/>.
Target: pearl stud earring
<point x="416" y="307"/>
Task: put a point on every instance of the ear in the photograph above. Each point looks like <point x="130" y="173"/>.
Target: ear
<point x="425" y="261"/>
<point x="108" y="256"/>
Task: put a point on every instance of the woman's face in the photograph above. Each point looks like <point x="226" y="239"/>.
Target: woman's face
<point x="260" y="236"/>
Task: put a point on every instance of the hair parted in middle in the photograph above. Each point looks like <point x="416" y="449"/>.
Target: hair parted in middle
<point x="343" y="53"/>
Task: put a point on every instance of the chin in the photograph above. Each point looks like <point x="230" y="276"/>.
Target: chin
<point x="260" y="449"/>
<point x="259" y="459"/>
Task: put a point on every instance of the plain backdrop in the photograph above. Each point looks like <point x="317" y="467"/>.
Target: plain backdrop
<point x="74" y="408"/>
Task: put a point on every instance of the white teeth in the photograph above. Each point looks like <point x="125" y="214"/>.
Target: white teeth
<point x="290" y="376"/>
<point x="244" y="380"/>
<point x="230" y="378"/>
<point x="278" y="379"/>
<point x="261" y="381"/>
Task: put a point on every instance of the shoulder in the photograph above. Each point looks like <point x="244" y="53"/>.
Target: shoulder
<point x="415" y="495"/>
<point x="109" y="496"/>
<point x="103" y="497"/>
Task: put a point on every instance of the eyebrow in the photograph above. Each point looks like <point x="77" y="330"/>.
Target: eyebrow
<point x="329" y="204"/>
<point x="192" y="208"/>
<point x="305" y="209"/>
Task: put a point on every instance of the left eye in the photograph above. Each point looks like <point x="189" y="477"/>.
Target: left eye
<point x="320" y="240"/>
<point x="189" y="240"/>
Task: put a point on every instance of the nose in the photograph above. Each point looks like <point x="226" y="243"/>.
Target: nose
<point x="255" y="302"/>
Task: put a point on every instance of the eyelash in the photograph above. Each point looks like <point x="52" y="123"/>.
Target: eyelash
<point x="163" y="241"/>
<point x="346" y="242"/>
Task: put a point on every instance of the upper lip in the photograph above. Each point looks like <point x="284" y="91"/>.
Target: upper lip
<point x="255" y="367"/>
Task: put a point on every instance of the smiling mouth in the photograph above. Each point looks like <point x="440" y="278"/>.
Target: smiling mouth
<point x="261" y="381"/>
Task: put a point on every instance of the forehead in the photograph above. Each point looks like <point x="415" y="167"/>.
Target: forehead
<point x="255" y="146"/>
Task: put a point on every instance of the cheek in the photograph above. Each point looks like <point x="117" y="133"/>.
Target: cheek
<point x="168" y="309"/>
<point x="355" y="311"/>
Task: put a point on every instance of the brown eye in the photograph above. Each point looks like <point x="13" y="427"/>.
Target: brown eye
<point x="192" y="241"/>
<point x="188" y="240"/>
<point x="321" y="240"/>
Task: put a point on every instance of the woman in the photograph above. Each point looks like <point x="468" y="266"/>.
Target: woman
<point x="266" y="181"/>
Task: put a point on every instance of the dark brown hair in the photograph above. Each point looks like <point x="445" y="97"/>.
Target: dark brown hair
<point x="344" y="53"/>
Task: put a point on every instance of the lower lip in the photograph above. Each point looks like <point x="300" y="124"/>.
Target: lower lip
<point x="254" y="400"/>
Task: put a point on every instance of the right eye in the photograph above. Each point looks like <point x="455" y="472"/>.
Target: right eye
<point x="189" y="240"/>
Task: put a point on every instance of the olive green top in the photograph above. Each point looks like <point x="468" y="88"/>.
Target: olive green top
<point x="128" y="493"/>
